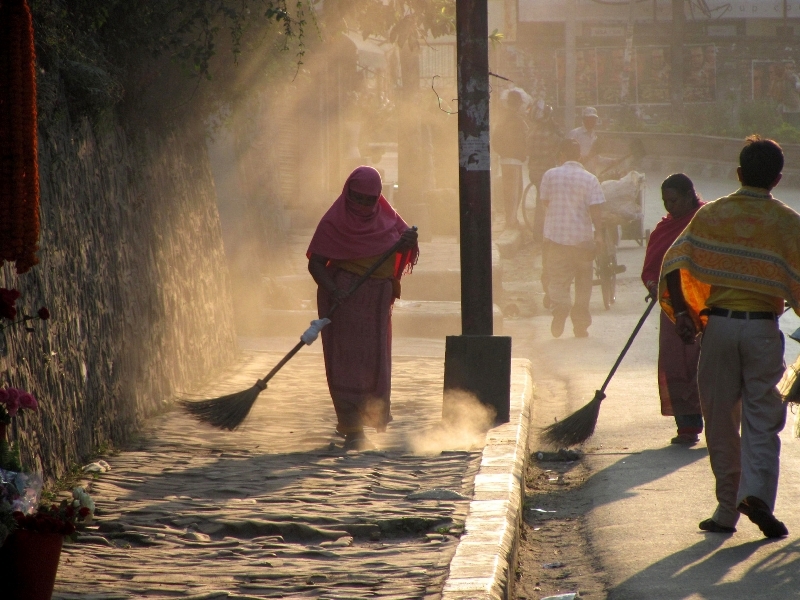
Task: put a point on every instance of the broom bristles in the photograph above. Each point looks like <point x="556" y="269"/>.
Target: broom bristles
<point x="226" y="412"/>
<point x="576" y="428"/>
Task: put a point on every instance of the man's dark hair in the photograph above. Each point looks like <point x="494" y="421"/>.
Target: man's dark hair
<point x="681" y="183"/>
<point x="570" y="149"/>
<point x="761" y="161"/>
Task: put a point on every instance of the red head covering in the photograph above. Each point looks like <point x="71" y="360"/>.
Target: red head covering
<point x="350" y="231"/>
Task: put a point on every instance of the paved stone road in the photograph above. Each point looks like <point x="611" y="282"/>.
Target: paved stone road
<point x="277" y="509"/>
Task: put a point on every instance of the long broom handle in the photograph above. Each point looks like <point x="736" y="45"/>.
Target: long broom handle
<point x="628" y="345"/>
<point x="369" y="272"/>
<point x="353" y="288"/>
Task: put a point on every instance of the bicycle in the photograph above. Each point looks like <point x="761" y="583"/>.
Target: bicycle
<point x="606" y="268"/>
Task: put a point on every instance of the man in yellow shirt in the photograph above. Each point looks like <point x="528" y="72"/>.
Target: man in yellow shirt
<point x="729" y="275"/>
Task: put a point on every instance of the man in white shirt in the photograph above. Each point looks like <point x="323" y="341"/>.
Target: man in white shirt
<point x="573" y="200"/>
<point x="586" y="136"/>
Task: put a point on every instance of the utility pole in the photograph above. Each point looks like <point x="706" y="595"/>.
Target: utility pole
<point x="474" y="175"/>
<point x="570" y="66"/>
<point x="476" y="361"/>
<point x="625" y="91"/>
<point x="676" y="78"/>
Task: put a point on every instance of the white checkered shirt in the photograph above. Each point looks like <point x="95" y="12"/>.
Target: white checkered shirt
<point x="570" y="190"/>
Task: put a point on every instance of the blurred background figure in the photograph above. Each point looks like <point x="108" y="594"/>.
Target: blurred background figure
<point x="543" y="141"/>
<point x="586" y="136"/>
<point x="510" y="140"/>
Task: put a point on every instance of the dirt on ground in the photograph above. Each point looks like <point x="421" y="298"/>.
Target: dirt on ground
<point x="555" y="553"/>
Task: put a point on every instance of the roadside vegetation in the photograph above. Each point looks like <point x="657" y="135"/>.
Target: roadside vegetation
<point x="725" y="118"/>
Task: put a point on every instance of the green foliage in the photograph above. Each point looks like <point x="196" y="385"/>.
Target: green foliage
<point x="723" y="119"/>
<point x="711" y="119"/>
<point x="403" y="22"/>
<point x="9" y="457"/>
<point x="761" y="116"/>
<point x="786" y="133"/>
<point x="158" y="58"/>
<point x="99" y="52"/>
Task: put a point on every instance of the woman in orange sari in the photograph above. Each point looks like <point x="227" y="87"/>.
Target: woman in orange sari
<point x="352" y="235"/>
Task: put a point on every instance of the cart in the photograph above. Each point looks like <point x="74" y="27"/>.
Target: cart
<point x="623" y="219"/>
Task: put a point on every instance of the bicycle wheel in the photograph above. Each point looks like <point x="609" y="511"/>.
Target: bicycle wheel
<point x="528" y="206"/>
<point x="609" y="285"/>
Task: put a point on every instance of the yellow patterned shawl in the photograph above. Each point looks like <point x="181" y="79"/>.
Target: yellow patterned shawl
<point x="748" y="240"/>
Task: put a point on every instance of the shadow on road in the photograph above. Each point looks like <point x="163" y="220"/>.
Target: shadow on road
<point x="637" y="469"/>
<point x="704" y="571"/>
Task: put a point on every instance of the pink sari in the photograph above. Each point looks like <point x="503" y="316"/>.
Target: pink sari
<point x="357" y="345"/>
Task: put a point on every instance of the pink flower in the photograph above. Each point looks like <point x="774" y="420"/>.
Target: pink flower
<point x="12" y="401"/>
<point x="26" y="400"/>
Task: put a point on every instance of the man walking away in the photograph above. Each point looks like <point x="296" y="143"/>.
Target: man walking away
<point x="573" y="200"/>
<point x="586" y="136"/>
<point x="728" y="275"/>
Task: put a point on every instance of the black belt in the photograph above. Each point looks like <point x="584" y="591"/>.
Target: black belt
<point x="740" y="314"/>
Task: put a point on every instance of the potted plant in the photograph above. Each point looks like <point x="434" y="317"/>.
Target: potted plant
<point x="31" y="551"/>
<point x="31" y="535"/>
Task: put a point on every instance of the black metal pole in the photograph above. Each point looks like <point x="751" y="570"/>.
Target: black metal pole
<point x="474" y="177"/>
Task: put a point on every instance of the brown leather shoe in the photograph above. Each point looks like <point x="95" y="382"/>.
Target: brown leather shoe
<point x="759" y="513"/>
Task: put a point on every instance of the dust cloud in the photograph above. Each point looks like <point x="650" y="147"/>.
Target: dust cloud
<point x="464" y="424"/>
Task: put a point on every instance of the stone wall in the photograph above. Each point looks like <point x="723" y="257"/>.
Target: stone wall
<point x="133" y="272"/>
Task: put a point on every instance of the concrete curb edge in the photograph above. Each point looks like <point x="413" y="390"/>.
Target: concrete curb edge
<point x="483" y="565"/>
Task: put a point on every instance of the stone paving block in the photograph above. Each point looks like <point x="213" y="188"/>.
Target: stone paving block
<point x="193" y="512"/>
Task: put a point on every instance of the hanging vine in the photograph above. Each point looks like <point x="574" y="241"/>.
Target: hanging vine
<point x="19" y="176"/>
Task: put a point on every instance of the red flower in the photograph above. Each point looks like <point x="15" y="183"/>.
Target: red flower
<point x="8" y="299"/>
<point x="26" y="400"/>
<point x="10" y="398"/>
<point x="43" y="313"/>
<point x="83" y="512"/>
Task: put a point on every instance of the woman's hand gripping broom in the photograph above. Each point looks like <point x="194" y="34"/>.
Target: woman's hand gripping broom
<point x="579" y="426"/>
<point x="228" y="412"/>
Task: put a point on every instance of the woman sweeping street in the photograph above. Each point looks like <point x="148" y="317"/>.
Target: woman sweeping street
<point x="352" y="235"/>
<point x="677" y="362"/>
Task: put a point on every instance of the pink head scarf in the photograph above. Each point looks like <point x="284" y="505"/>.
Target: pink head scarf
<point x="350" y="231"/>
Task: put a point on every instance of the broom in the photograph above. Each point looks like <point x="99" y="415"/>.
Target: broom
<point x="579" y="426"/>
<point x="228" y="412"/>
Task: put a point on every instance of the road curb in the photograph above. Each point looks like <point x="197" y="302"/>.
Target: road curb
<point x="483" y="565"/>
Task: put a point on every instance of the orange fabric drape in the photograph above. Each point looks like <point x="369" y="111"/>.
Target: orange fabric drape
<point x="19" y="174"/>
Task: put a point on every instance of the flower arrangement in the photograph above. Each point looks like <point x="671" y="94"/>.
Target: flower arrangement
<point x="60" y="518"/>
<point x="20" y="509"/>
<point x="13" y="400"/>
<point x="19" y="176"/>
<point x="8" y="310"/>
